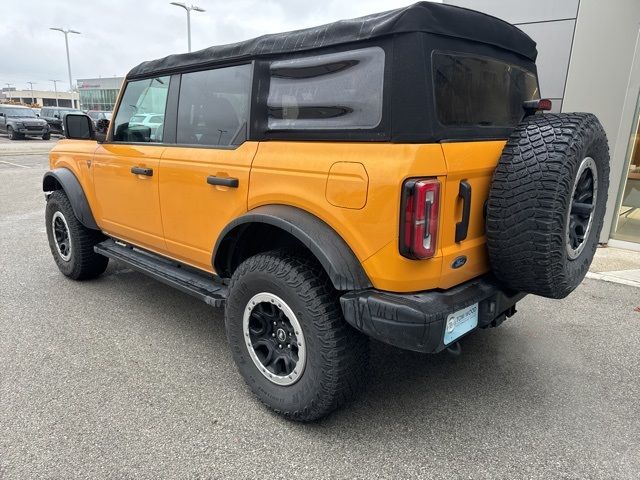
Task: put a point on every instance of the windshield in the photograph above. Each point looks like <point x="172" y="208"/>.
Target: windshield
<point x="137" y="119"/>
<point x="19" y="112"/>
<point x="474" y="91"/>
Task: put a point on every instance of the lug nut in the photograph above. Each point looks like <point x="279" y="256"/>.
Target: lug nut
<point x="280" y="345"/>
<point x="273" y="334"/>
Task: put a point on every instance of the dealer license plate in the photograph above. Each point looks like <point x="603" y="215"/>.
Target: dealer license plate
<point x="460" y="322"/>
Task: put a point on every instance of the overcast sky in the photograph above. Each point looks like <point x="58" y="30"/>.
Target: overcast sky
<point x="119" y="34"/>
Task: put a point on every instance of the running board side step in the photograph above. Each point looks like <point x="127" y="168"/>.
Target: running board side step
<point x="204" y="286"/>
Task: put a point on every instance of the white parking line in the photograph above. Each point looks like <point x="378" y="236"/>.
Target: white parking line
<point x="14" y="164"/>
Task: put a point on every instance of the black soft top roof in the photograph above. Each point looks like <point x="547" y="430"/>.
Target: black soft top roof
<point x="434" y="18"/>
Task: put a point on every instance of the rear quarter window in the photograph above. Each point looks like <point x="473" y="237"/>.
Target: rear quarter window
<point x="474" y="91"/>
<point x="326" y="92"/>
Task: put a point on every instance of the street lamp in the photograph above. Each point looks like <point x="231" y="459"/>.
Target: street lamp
<point x="9" y="85"/>
<point x="188" y="10"/>
<point x="33" y="100"/>
<point x="66" y="43"/>
<point x="55" y="88"/>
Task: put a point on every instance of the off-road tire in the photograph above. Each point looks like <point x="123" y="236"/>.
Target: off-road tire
<point x="530" y="200"/>
<point x="336" y="356"/>
<point x="83" y="263"/>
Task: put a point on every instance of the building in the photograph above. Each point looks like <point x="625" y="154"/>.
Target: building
<point x="589" y="61"/>
<point x="43" y="98"/>
<point x="99" y="93"/>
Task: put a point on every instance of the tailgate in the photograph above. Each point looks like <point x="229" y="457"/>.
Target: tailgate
<point x="473" y="163"/>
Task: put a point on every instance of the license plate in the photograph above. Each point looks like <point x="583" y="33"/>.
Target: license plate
<point x="460" y="322"/>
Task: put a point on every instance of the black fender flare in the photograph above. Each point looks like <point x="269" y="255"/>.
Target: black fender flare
<point x="334" y="254"/>
<point x="63" y="178"/>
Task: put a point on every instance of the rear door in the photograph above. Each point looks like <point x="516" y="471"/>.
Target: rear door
<point x="473" y="93"/>
<point x="204" y="177"/>
<point x="126" y="168"/>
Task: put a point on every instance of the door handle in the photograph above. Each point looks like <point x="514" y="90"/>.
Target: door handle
<point x="142" y="171"/>
<point x="223" y="181"/>
<point x="462" y="227"/>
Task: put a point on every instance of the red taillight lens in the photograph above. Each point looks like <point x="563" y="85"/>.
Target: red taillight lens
<point x="419" y="218"/>
<point x="545" y="104"/>
<point x="540" y="105"/>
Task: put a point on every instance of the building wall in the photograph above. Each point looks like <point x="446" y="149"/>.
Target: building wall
<point x="43" y="98"/>
<point x="598" y="80"/>
<point x="99" y="93"/>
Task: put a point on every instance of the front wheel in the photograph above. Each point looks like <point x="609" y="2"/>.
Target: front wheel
<point x="13" y="135"/>
<point x="289" y="339"/>
<point x="46" y="136"/>
<point x="71" y="242"/>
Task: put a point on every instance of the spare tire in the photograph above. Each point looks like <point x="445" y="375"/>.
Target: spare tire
<point x="546" y="203"/>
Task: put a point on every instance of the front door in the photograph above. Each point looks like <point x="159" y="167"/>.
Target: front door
<point x="126" y="168"/>
<point x="204" y="179"/>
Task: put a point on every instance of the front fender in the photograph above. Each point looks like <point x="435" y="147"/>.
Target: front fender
<point x="63" y="178"/>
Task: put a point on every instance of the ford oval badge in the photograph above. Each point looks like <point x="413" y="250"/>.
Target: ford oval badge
<point x="459" y="261"/>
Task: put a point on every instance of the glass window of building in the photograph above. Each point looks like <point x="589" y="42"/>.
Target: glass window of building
<point x="627" y="223"/>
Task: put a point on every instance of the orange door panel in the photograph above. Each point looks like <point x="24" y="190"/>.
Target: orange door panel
<point x="194" y="211"/>
<point x="127" y="203"/>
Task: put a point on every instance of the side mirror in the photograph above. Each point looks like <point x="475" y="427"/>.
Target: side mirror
<point x="102" y="126"/>
<point x="78" y="126"/>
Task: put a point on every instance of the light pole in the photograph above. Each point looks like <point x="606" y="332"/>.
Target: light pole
<point x="66" y="43"/>
<point x="9" y="85"/>
<point x="55" y="89"/>
<point x="33" y="100"/>
<point x="188" y="10"/>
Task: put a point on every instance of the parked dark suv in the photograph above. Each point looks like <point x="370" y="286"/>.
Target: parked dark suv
<point x="54" y="117"/>
<point x="18" y="122"/>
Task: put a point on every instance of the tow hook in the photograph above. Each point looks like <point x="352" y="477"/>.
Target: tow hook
<point x="510" y="312"/>
<point x="455" y="349"/>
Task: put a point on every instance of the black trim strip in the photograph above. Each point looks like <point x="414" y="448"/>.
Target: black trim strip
<point x="222" y="181"/>
<point x="462" y="227"/>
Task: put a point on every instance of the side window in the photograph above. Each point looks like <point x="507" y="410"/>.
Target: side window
<point x="334" y="91"/>
<point x="142" y="99"/>
<point x="213" y="107"/>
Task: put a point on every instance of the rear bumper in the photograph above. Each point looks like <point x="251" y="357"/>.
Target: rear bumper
<point x="416" y="321"/>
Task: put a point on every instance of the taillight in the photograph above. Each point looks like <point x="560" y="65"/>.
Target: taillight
<point x="419" y="218"/>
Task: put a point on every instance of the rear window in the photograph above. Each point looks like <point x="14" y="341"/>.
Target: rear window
<point x="334" y="91"/>
<point x="472" y="91"/>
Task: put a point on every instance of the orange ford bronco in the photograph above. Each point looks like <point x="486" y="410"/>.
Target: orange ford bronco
<point x="390" y="176"/>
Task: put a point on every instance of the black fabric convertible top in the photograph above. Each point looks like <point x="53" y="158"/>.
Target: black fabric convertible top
<point x="433" y="18"/>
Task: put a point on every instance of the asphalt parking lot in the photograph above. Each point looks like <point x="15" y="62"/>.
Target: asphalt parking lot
<point x="124" y="377"/>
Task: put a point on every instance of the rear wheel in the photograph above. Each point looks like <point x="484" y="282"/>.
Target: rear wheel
<point x="547" y="201"/>
<point x="72" y="243"/>
<point x="289" y="339"/>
